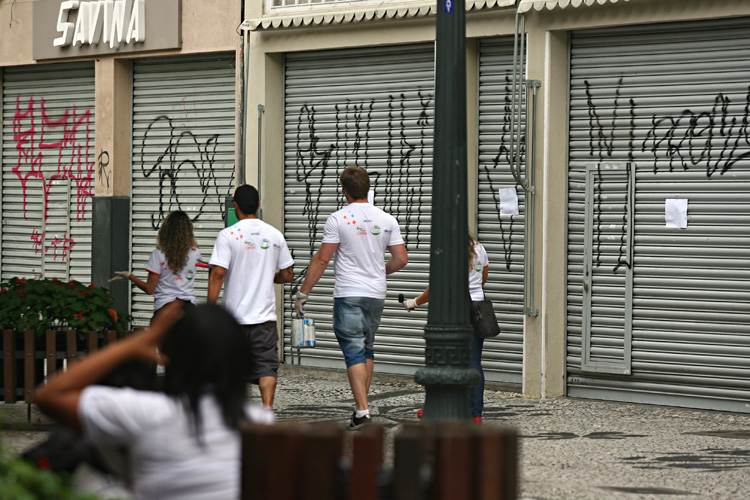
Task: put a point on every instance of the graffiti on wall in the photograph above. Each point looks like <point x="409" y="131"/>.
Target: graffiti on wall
<point x="714" y="137"/>
<point x="501" y="162"/>
<point x="184" y="155"/>
<point x="391" y="138"/>
<point x="70" y="153"/>
<point x="103" y="172"/>
<point x="397" y="168"/>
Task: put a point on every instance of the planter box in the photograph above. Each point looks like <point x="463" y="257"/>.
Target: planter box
<point x="25" y="355"/>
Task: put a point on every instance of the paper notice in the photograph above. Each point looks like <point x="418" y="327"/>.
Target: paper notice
<point x="508" y="201"/>
<point x="371" y="197"/>
<point x="675" y="212"/>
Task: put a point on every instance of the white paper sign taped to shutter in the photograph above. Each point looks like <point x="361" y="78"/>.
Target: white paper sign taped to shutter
<point x="508" y="201"/>
<point x="675" y="212"/>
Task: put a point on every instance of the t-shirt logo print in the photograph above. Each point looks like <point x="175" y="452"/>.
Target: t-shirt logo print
<point x="265" y="244"/>
<point x="350" y="219"/>
<point x="190" y="275"/>
<point x="375" y="230"/>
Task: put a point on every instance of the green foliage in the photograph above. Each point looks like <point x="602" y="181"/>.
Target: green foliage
<point x="45" y="304"/>
<point x="21" y="480"/>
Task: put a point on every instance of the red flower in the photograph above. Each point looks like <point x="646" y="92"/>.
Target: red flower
<point x="43" y="462"/>
<point x="55" y="279"/>
<point x="113" y="313"/>
<point x="21" y="281"/>
<point x="79" y="315"/>
<point x="4" y="290"/>
<point x="91" y="286"/>
<point x="71" y="286"/>
<point x="84" y="294"/>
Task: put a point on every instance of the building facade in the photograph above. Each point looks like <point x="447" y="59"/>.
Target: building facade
<point x="609" y="179"/>
<point x="113" y="115"/>
<point x="631" y="110"/>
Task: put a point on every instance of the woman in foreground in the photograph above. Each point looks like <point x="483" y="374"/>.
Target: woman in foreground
<point x="184" y="442"/>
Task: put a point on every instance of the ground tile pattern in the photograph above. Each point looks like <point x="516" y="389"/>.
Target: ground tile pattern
<point x="570" y="449"/>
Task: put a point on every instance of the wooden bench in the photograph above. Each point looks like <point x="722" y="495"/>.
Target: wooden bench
<point x="26" y="357"/>
<point x="430" y="462"/>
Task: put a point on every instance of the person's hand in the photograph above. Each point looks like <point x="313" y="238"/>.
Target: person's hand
<point x="120" y="276"/>
<point x="146" y="342"/>
<point x="299" y="303"/>
<point x="410" y="304"/>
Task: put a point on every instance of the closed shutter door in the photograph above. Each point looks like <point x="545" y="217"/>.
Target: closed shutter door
<point x="48" y="163"/>
<point x="372" y="108"/>
<point x="183" y="154"/>
<point x="672" y="101"/>
<point x="502" y="236"/>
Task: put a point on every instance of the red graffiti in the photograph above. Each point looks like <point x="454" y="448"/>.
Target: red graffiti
<point x="74" y="162"/>
<point x="38" y="239"/>
<point x="64" y="244"/>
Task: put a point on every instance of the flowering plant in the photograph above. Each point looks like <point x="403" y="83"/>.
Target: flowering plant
<point x="22" y="479"/>
<point x="51" y="304"/>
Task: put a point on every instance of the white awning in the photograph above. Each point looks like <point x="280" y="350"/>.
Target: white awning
<point x="527" y="5"/>
<point x="315" y="17"/>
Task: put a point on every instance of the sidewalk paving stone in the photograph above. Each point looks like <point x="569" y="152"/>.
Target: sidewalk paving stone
<point x="570" y="449"/>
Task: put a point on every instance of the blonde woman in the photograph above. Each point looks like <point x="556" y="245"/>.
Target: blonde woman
<point x="173" y="264"/>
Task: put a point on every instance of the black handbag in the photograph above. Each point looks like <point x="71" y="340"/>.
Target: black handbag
<point x="483" y="318"/>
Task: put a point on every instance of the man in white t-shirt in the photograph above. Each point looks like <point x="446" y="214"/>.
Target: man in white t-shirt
<point x="358" y="235"/>
<point x="248" y="258"/>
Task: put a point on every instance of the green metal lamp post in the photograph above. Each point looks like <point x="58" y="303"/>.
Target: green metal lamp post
<point x="447" y="376"/>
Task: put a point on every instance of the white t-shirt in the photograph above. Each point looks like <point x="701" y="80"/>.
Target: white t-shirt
<point x="251" y="251"/>
<point x="363" y="232"/>
<point x="173" y="285"/>
<point x="167" y="461"/>
<point x="475" y="273"/>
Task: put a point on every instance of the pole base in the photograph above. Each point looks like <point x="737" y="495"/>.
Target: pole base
<point x="447" y="393"/>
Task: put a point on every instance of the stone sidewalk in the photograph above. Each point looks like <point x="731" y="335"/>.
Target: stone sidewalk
<point x="570" y="448"/>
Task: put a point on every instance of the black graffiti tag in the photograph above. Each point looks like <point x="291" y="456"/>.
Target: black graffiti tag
<point x="715" y="139"/>
<point x="184" y="155"/>
<point x="102" y="171"/>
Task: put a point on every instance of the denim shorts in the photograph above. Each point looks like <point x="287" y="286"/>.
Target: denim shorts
<point x="355" y="321"/>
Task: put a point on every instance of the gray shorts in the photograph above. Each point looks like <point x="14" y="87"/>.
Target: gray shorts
<point x="263" y="341"/>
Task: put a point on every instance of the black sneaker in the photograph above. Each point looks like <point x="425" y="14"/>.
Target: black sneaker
<point x="358" y="422"/>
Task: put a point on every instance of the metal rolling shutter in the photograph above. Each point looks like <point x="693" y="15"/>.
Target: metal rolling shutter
<point x="183" y="154"/>
<point x="48" y="170"/>
<point x="502" y="236"/>
<point x="373" y="108"/>
<point x="673" y="101"/>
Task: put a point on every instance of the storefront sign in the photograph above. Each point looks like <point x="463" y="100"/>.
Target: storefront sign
<point x="77" y="28"/>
